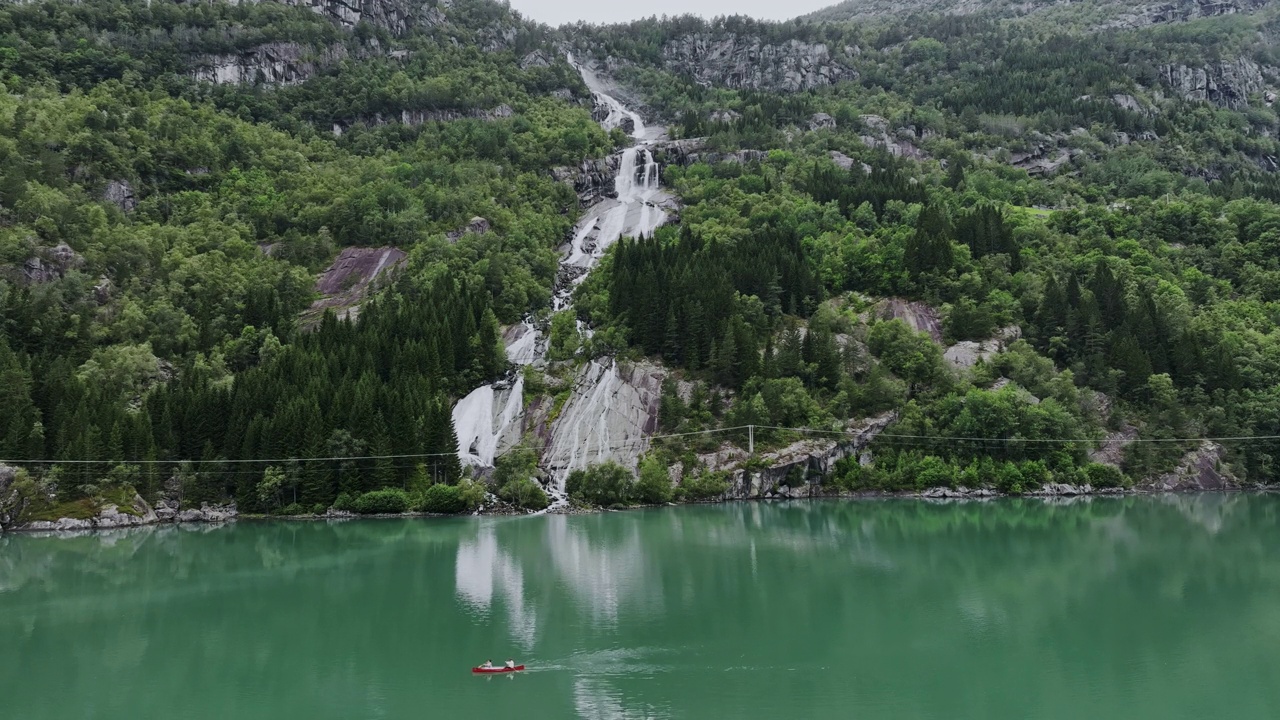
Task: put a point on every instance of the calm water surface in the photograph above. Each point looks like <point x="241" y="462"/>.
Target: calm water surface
<point x="1135" y="608"/>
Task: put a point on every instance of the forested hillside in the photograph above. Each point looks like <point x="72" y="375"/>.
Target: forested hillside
<point x="1021" y="245"/>
<point x="160" y="235"/>
<point x="1077" y="221"/>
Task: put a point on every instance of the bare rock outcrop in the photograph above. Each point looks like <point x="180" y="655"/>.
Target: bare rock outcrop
<point x="592" y="180"/>
<point x="120" y="193"/>
<point x="1204" y="468"/>
<point x="476" y="226"/>
<point x="396" y="16"/>
<point x="794" y="471"/>
<point x="692" y="151"/>
<point x="1225" y="84"/>
<point x="898" y="144"/>
<point x="967" y="353"/>
<point x="919" y="316"/>
<point x="747" y="63"/>
<point x="277" y="63"/>
<point x="821" y="121"/>
<point x="46" y="265"/>
<point x="350" y="279"/>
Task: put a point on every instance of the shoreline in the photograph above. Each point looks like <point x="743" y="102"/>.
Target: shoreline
<point x="932" y="496"/>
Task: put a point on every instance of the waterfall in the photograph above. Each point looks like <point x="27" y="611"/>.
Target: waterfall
<point x="583" y="434"/>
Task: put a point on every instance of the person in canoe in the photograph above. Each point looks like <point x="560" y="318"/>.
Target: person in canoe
<point x="511" y="664"/>
<point x="488" y="665"/>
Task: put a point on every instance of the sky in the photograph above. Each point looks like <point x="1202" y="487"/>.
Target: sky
<point x="559" y="12"/>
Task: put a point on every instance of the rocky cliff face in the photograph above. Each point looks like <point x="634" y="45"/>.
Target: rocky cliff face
<point x="1187" y="10"/>
<point x="694" y="150"/>
<point x="280" y="63"/>
<point x="396" y="16"/>
<point x="350" y="279"/>
<point x="747" y="63"/>
<point x="611" y="411"/>
<point x="1204" y="468"/>
<point x="1226" y="84"/>
<point x="796" y="470"/>
<point x="592" y="179"/>
<point x="46" y="265"/>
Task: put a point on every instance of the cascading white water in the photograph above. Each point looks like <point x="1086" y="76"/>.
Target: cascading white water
<point x="582" y="433"/>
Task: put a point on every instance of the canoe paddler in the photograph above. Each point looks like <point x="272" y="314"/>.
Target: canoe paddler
<point x="511" y="664"/>
<point x="488" y="665"/>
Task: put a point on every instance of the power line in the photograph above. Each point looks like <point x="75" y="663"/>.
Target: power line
<point x="888" y="438"/>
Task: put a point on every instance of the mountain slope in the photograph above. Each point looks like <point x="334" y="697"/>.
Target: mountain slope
<point x="1068" y="14"/>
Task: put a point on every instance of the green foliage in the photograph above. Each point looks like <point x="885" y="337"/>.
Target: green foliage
<point x="653" y="487"/>
<point x="525" y="493"/>
<point x="604" y="485"/>
<point x="379" y="502"/>
<point x="564" y="336"/>
<point x="451" y="499"/>
<point x="703" y="486"/>
<point x="514" y="477"/>
<point x="1103" y="476"/>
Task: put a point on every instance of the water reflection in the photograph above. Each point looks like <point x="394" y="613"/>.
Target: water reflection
<point x="1111" y="607"/>
<point x="481" y="566"/>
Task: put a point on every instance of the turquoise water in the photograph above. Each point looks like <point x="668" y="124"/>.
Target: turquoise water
<point x="1160" y="607"/>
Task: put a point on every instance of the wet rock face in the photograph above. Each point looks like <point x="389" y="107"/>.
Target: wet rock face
<point x="1226" y="84"/>
<point x="613" y="407"/>
<point x="592" y="180"/>
<point x="280" y="63"/>
<point x="747" y="63"/>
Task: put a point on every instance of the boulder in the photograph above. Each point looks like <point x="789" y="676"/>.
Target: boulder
<point x="821" y="121"/>
<point x="537" y="58"/>
<point x="476" y="226"/>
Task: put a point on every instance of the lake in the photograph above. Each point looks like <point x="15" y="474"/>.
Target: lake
<point x="1136" y="607"/>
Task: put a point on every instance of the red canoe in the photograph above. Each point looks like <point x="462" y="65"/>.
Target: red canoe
<point x="489" y="671"/>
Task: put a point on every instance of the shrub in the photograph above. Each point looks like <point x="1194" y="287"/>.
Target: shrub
<point x="704" y="486"/>
<point x="471" y="493"/>
<point x="294" y="509"/>
<point x="605" y="485"/>
<point x="525" y="493"/>
<point x="1103" y="476"/>
<point x="345" y="503"/>
<point x="443" y="499"/>
<point x="654" y="485"/>
<point x="388" y="501"/>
